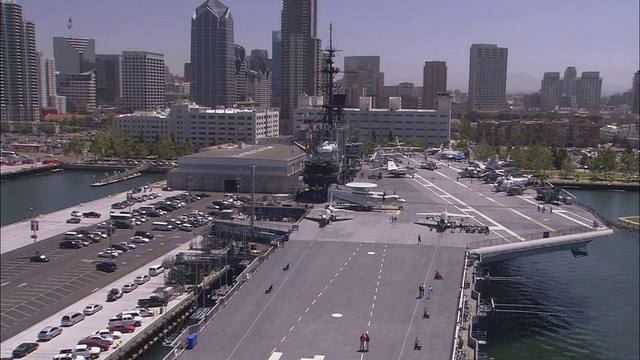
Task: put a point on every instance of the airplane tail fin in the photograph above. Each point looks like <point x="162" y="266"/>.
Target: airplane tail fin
<point x="493" y="162"/>
<point x="391" y="165"/>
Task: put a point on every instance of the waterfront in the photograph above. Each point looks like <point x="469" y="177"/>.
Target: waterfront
<point x="586" y="308"/>
<point x="52" y="192"/>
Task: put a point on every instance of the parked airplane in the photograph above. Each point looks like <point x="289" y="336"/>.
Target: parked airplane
<point x="381" y="154"/>
<point x="327" y="215"/>
<point x="504" y="183"/>
<point x="477" y="168"/>
<point x="359" y="194"/>
<point x="433" y="150"/>
<point x="399" y="148"/>
<point x="442" y="221"/>
<point x="397" y="171"/>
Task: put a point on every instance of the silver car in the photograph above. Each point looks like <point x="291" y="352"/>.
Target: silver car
<point x="92" y="309"/>
<point x="49" y="332"/>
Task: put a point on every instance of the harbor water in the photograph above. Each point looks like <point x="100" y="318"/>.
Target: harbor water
<point x="584" y="308"/>
<point x="577" y="308"/>
<point x="47" y="193"/>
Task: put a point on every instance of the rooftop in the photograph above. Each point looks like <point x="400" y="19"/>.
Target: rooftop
<point x="258" y="152"/>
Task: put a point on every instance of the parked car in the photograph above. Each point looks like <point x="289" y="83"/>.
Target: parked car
<point x="114" y="294"/>
<point x="73" y="220"/>
<point x="106" y="226"/>
<point x="106" y="266"/>
<point x="71" y="318"/>
<point x="91" y="214"/>
<point x="141" y="279"/>
<point x="100" y="233"/>
<point x="121" y="247"/>
<point x="144" y="312"/>
<point x="25" y="349"/>
<point x="106" y="332"/>
<point x="109" y="254"/>
<point x="152" y="301"/>
<point x="76" y="214"/>
<point x="86" y="351"/>
<point x="70" y="244"/>
<point x="127" y="288"/>
<point x="186" y="227"/>
<point x="39" y="258"/>
<point x="139" y="240"/>
<point x="144" y="234"/>
<point x="98" y="337"/>
<point x="49" y="332"/>
<point x="101" y="343"/>
<point x="122" y="328"/>
<point x="92" y="309"/>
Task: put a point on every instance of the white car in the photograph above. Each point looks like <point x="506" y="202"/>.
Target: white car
<point x="76" y="214"/>
<point x="99" y="233"/>
<point x="92" y="309"/>
<point x="108" y="333"/>
<point x="144" y="312"/>
<point x="141" y="279"/>
<point x="126" y="288"/>
<point x="107" y="254"/>
<point x="139" y="239"/>
<point x="186" y="227"/>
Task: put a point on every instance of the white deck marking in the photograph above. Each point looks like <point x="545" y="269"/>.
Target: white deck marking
<point x="275" y="355"/>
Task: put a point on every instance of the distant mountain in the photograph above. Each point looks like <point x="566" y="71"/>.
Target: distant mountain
<point x="521" y="82"/>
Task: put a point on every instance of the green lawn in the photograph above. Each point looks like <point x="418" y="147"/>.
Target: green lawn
<point x="635" y="219"/>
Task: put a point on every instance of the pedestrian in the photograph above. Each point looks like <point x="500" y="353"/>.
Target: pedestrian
<point x="419" y="239"/>
<point x="421" y="290"/>
<point x="457" y="178"/>
<point x="367" y="338"/>
<point x="538" y="207"/>
<point x="429" y="292"/>
<point x="544" y="208"/>
<point x="362" y="342"/>
<point x="550" y="209"/>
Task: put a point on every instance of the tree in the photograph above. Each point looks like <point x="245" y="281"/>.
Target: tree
<point x="559" y="155"/>
<point x="629" y="165"/>
<point x="539" y="158"/>
<point x="185" y="148"/>
<point x="390" y="137"/>
<point x="483" y="151"/>
<point x="369" y="146"/>
<point x="567" y="167"/>
<point x="414" y="142"/>
<point x="164" y="149"/>
<point x="466" y="130"/>
<point x="141" y="151"/>
<point x="75" y="146"/>
<point x="374" y="137"/>
<point x="519" y="157"/>
<point x="607" y="161"/>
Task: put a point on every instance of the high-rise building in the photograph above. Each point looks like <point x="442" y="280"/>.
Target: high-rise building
<point x="19" y="98"/>
<point x="240" y="66"/>
<point x="47" y="80"/>
<point x="300" y="54"/>
<point x="108" y="78"/>
<point x="213" y="77"/>
<point x="569" y="81"/>
<point x="434" y="80"/>
<point x="635" y="86"/>
<point x="550" y="91"/>
<point x="276" y="68"/>
<point x="361" y="78"/>
<point x="588" y="90"/>
<point x="74" y="55"/>
<point x="259" y="78"/>
<point x="143" y="80"/>
<point x="487" y="77"/>
<point x="79" y="90"/>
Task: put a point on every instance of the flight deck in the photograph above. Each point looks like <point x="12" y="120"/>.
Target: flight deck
<point x="350" y="277"/>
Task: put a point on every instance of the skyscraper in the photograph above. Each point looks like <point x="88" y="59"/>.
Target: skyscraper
<point x="434" y="80"/>
<point x="487" y="77"/>
<point x="108" y="78"/>
<point x="569" y="81"/>
<point x="588" y="90"/>
<point x="240" y="66"/>
<point x="79" y="90"/>
<point x="550" y="91"/>
<point x="300" y="54"/>
<point x="47" y="80"/>
<point x="635" y="86"/>
<point x="19" y="99"/>
<point x="259" y="77"/>
<point x="74" y="55"/>
<point x="143" y="80"/>
<point x="362" y="77"/>
<point x="276" y="68"/>
<point x="213" y="78"/>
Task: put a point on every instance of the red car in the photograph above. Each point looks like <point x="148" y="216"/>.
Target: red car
<point x="102" y="344"/>
<point x="122" y="328"/>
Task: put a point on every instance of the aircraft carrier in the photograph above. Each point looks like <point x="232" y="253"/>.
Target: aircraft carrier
<point x="362" y="275"/>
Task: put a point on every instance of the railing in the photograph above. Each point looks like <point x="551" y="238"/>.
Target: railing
<point x="520" y="238"/>
<point x="593" y="212"/>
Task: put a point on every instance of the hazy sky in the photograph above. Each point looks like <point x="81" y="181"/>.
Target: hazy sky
<point x="542" y="35"/>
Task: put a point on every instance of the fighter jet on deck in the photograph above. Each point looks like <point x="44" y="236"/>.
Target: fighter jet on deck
<point x="442" y="221"/>
<point x="327" y="215"/>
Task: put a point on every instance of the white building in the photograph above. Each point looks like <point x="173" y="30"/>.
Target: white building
<point x="143" y="80"/>
<point x="550" y="91"/>
<point x="202" y="125"/>
<point x="79" y="90"/>
<point x="429" y="126"/>
<point x="589" y="88"/>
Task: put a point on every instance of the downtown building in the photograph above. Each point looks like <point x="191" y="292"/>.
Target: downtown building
<point x="143" y="80"/>
<point x="74" y="55"/>
<point x="635" y="89"/>
<point x="563" y="133"/>
<point x="362" y="78"/>
<point x="431" y="127"/>
<point x="258" y="78"/>
<point x="79" y="91"/>
<point x="487" y="78"/>
<point x="301" y="55"/>
<point x="203" y="126"/>
<point x="19" y="80"/>
<point x="434" y="81"/>
<point x="276" y="68"/>
<point x="108" y="78"/>
<point x="212" y="64"/>
<point x="47" y="81"/>
<point x="550" y="91"/>
<point x="589" y="90"/>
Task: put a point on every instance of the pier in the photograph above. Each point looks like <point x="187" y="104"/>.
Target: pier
<point x="121" y="176"/>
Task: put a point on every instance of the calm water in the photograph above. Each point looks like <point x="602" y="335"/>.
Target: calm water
<point x="587" y="308"/>
<point x="56" y="191"/>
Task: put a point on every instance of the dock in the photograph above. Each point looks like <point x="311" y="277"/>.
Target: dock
<point x="121" y="176"/>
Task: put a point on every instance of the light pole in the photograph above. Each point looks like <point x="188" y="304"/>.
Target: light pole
<point x="189" y="184"/>
<point x="110" y="230"/>
<point x="238" y="179"/>
<point x="34" y="227"/>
